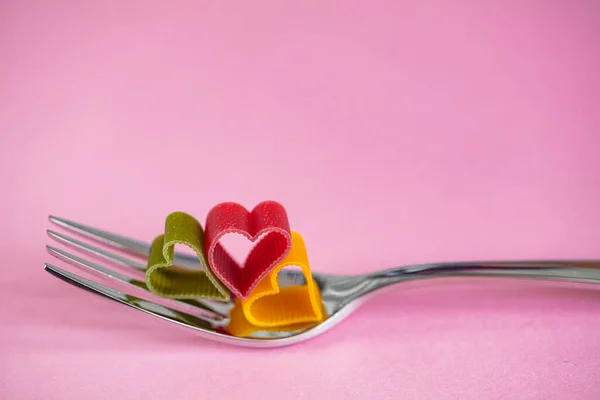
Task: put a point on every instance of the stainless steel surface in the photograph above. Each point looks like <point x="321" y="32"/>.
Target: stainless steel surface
<point x="341" y="294"/>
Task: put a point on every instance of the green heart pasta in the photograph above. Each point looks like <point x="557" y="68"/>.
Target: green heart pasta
<point x="168" y="280"/>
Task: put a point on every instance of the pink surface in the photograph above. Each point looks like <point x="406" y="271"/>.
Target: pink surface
<point x="394" y="133"/>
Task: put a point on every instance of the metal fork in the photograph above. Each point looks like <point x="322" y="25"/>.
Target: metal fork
<point x="341" y="295"/>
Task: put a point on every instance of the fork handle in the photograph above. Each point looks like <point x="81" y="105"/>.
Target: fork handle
<point x="584" y="271"/>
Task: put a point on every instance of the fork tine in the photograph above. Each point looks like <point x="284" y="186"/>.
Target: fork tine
<point x="97" y="269"/>
<point x="95" y="251"/>
<point x="108" y="238"/>
<point x="202" y="306"/>
<point x="157" y="310"/>
<point x="113" y="240"/>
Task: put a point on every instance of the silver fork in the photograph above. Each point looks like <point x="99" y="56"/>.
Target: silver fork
<point x="341" y="295"/>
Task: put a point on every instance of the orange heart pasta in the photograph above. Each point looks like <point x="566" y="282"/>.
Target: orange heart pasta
<point x="240" y="327"/>
<point x="271" y="306"/>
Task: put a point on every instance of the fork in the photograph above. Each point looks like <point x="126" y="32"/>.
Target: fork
<point x="341" y="294"/>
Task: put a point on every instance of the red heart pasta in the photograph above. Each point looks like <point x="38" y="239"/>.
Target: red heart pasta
<point x="267" y="225"/>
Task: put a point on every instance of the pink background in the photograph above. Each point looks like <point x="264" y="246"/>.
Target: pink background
<point x="394" y="132"/>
